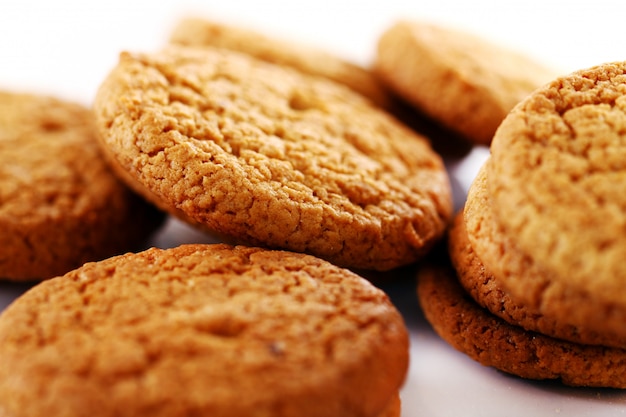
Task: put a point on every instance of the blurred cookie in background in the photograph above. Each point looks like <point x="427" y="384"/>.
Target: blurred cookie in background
<point x="60" y="205"/>
<point x="463" y="81"/>
<point x="193" y="31"/>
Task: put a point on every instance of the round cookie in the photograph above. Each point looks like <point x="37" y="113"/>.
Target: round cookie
<point x="486" y="289"/>
<point x="203" y="330"/>
<point x="488" y="263"/>
<point x="308" y="59"/>
<point x="60" y="205"/>
<point x="557" y="177"/>
<point x="492" y="342"/>
<point x="463" y="81"/>
<point x="267" y="156"/>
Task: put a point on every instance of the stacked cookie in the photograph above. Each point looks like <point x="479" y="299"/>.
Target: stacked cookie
<point x="304" y="58"/>
<point x="539" y="246"/>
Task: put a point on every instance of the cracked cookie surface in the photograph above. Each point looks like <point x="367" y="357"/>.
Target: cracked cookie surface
<point x="267" y="156"/>
<point x="489" y="263"/>
<point x="203" y="330"/>
<point x="60" y="205"/>
<point x="556" y="182"/>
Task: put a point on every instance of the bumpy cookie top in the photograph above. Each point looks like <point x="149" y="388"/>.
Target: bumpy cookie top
<point x="557" y="179"/>
<point x="308" y="59"/>
<point x="60" y="205"/>
<point x="462" y="80"/>
<point x="202" y="330"/>
<point x="271" y="157"/>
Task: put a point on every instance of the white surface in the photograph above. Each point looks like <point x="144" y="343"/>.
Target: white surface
<point x="67" y="47"/>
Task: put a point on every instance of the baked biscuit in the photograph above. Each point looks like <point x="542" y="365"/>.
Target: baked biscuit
<point x="491" y="341"/>
<point x="60" y="205"/>
<point x="306" y="58"/>
<point x="556" y="182"/>
<point x="475" y="236"/>
<point x="267" y="156"/>
<point x="203" y="330"/>
<point x="487" y="290"/>
<point x="465" y="82"/>
<point x="537" y="242"/>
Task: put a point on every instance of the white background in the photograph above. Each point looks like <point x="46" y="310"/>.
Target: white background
<point x="67" y="47"/>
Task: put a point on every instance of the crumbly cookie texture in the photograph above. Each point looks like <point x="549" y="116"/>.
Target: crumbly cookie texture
<point x="486" y="289"/>
<point x="203" y="330"/>
<point x="193" y="31"/>
<point x="492" y="342"/>
<point x="267" y="156"/>
<point x="537" y="299"/>
<point x="540" y="240"/>
<point x="465" y="82"/>
<point x="556" y="181"/>
<point x="60" y="205"/>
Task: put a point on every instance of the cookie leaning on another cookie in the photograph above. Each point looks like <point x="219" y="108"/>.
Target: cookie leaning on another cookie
<point x="60" y="205"/>
<point x="268" y="156"/>
<point x="459" y="79"/>
<point x="486" y="289"/>
<point x="559" y="164"/>
<point x="556" y="180"/>
<point x="203" y="330"/>
<point x="540" y="241"/>
<point x="305" y="58"/>
<point x="493" y="342"/>
<point x="475" y="236"/>
<point x="316" y="62"/>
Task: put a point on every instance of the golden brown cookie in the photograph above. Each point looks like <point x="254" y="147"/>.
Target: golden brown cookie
<point x="489" y="262"/>
<point x="556" y="181"/>
<point x="493" y="342"/>
<point x="203" y="330"/>
<point x="194" y="31"/>
<point x="465" y="82"/>
<point x="60" y="205"/>
<point x="268" y="156"/>
<point x="487" y="290"/>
